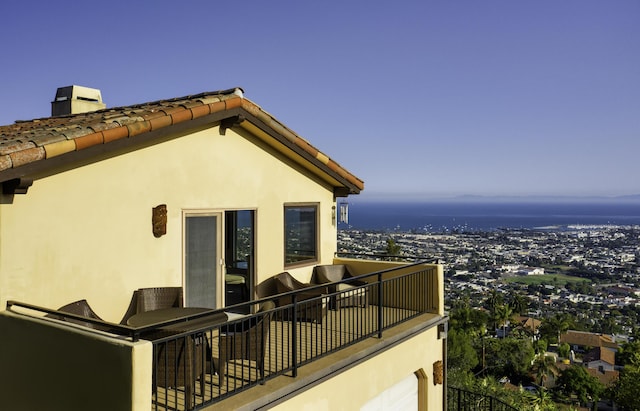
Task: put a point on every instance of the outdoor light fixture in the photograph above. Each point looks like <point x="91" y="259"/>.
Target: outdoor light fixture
<point x="442" y="331"/>
<point x="159" y="220"/>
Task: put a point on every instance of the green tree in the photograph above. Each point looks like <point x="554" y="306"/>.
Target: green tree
<point x="575" y="380"/>
<point x="540" y="346"/>
<point x="625" y="390"/>
<point x="544" y="366"/>
<point x="494" y="300"/>
<point x="464" y="317"/>
<point x="540" y="401"/>
<point x="564" y="350"/>
<point x="552" y="327"/>
<point x="503" y="315"/>
<point x="628" y="353"/>
<point x="519" y="303"/>
<point x="392" y="249"/>
<point x="460" y="352"/>
<point x="510" y="357"/>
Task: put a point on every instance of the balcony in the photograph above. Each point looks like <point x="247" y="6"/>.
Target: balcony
<point x="251" y="360"/>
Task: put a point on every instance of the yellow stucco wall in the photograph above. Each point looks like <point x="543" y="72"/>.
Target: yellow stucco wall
<point x="86" y="233"/>
<point x="375" y="376"/>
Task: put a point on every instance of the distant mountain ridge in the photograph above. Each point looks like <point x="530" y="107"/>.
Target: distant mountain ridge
<point x="471" y="198"/>
<point x="537" y="198"/>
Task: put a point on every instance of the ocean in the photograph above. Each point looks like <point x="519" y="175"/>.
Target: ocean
<point x="487" y="216"/>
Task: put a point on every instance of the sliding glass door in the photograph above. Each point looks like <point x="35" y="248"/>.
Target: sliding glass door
<point x="203" y="260"/>
<point x="219" y="254"/>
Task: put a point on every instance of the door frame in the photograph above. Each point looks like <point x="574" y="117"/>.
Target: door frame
<point x="220" y="229"/>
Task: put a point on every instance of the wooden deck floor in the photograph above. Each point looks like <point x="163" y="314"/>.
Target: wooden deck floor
<point x="339" y="328"/>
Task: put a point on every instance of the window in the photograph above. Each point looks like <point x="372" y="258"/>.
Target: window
<point x="300" y="234"/>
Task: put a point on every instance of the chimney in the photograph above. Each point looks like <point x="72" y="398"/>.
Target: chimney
<point x="76" y="99"/>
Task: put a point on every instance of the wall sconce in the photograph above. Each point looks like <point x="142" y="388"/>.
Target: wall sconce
<point x="442" y="331"/>
<point x="159" y="220"/>
<point x="438" y="372"/>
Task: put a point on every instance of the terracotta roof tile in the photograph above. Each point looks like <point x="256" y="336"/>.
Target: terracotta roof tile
<point x="27" y="156"/>
<point x="200" y="111"/>
<point x="5" y="162"/>
<point x="13" y="146"/>
<point x="26" y="142"/>
<point x="47" y="138"/>
<point x="89" y="140"/>
<point x="160" y="122"/>
<point x="60" y="147"/>
<point x="181" y="115"/>
<point x="76" y="132"/>
<point x="115" y="134"/>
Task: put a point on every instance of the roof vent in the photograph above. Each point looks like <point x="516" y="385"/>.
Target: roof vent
<point x="76" y="99"/>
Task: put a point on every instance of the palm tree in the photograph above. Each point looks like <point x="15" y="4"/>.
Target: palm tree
<point x="556" y="325"/>
<point x="493" y="301"/>
<point x="503" y="316"/>
<point x="544" y="366"/>
<point x="519" y="303"/>
<point x="542" y="400"/>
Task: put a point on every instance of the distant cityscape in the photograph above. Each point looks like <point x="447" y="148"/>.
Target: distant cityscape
<point x="545" y="319"/>
<point x="587" y="270"/>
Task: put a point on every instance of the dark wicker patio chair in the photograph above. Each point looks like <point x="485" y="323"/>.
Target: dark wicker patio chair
<point x="349" y="295"/>
<point x="150" y="299"/>
<point x="245" y="340"/>
<point x="132" y="309"/>
<point x="313" y="311"/>
<point x="82" y="308"/>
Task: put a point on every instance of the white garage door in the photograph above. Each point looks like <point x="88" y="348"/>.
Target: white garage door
<point x="401" y="397"/>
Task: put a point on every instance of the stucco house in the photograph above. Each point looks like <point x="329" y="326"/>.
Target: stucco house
<point x="210" y="197"/>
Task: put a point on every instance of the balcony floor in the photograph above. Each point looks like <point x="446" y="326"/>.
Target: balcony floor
<point x="313" y="338"/>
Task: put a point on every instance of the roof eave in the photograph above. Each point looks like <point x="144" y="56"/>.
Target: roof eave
<point x="72" y="153"/>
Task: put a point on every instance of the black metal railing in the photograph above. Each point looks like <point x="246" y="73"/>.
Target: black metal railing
<point x="228" y="358"/>
<point x="199" y="361"/>
<point x="459" y="399"/>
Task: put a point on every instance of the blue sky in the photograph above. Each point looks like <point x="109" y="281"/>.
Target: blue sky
<point x="418" y="98"/>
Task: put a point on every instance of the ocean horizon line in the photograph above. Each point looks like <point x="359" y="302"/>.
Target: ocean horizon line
<point x="487" y="215"/>
<point x="629" y="198"/>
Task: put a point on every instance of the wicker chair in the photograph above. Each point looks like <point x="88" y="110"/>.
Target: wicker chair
<point x="245" y="340"/>
<point x="132" y="309"/>
<point x="150" y="299"/>
<point x="349" y="295"/>
<point x="82" y="308"/>
<point x="313" y="311"/>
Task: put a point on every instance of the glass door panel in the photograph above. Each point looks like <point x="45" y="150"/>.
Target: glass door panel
<point x="239" y="256"/>
<point x="203" y="271"/>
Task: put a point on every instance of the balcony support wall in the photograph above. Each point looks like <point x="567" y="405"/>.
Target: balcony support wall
<point x="51" y="366"/>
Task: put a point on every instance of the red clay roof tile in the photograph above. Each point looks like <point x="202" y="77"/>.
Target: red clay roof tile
<point x="27" y="156"/>
<point x="29" y="141"/>
<point x="181" y="115"/>
<point x="115" y="134"/>
<point x="89" y="140"/>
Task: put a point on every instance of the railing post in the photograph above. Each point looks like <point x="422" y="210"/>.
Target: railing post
<point x="380" y="305"/>
<point x="294" y="335"/>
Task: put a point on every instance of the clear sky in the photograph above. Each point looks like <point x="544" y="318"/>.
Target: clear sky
<point x="417" y="98"/>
